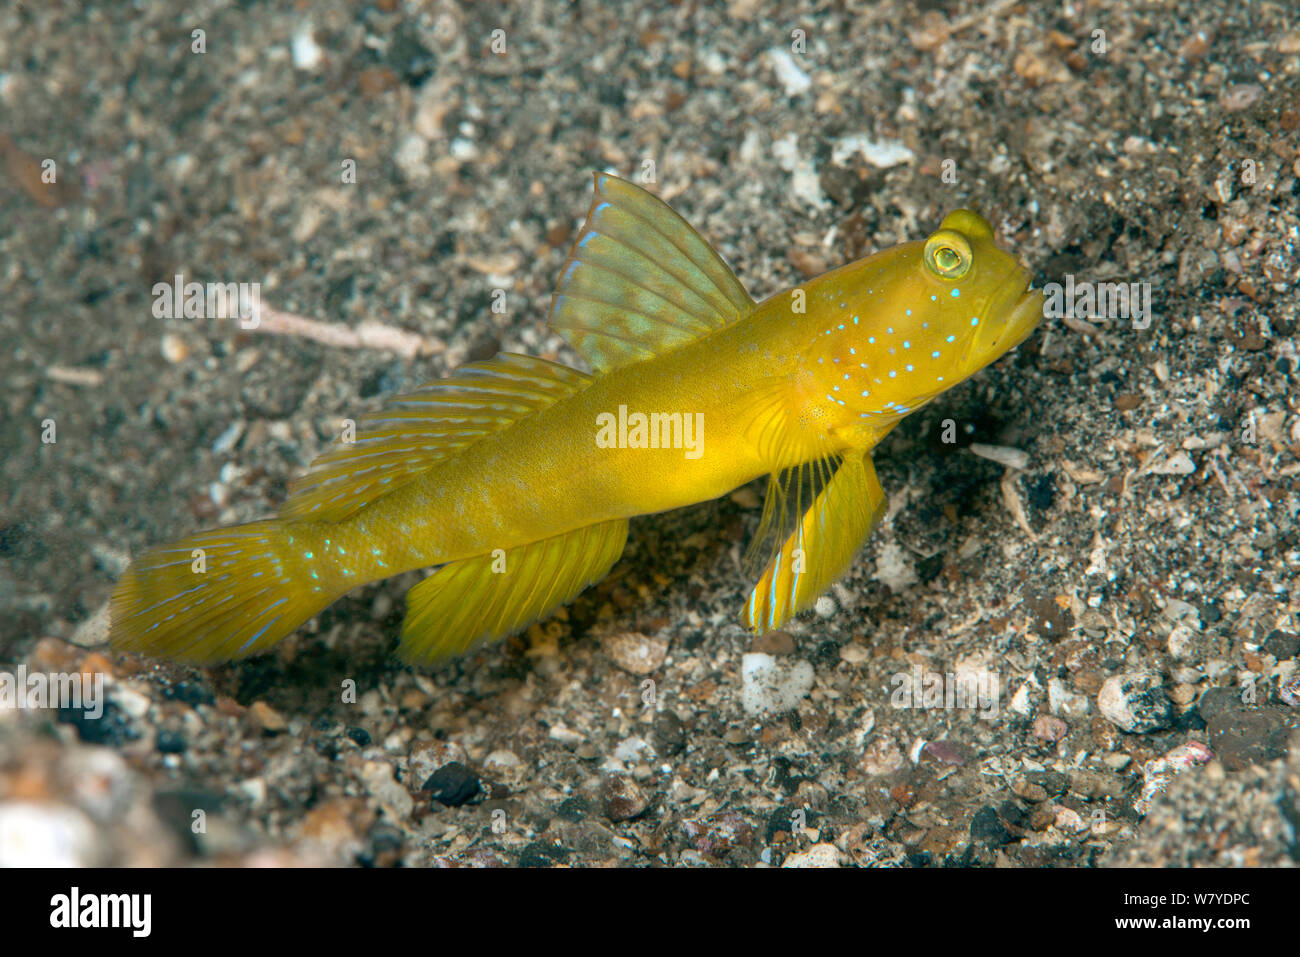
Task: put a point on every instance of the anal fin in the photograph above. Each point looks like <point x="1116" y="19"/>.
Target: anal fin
<point x="821" y="547"/>
<point x="469" y="602"/>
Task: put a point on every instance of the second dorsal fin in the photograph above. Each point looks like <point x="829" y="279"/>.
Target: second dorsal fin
<point x="640" y="281"/>
<point x="414" y="431"/>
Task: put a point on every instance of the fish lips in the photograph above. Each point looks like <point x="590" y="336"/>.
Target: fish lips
<point x="1023" y="318"/>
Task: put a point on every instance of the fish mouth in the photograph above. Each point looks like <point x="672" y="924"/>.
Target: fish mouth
<point x="1023" y="319"/>
<point x="1022" y="314"/>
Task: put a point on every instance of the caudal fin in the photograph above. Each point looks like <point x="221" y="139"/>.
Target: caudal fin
<point x="214" y="596"/>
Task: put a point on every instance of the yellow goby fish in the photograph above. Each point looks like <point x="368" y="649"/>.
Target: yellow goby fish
<point x="518" y="475"/>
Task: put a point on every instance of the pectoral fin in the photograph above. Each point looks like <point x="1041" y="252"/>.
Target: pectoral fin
<point x="819" y="550"/>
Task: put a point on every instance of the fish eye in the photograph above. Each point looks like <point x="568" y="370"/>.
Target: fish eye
<point x="947" y="254"/>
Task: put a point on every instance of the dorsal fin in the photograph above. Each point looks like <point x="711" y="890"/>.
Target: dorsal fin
<point x="640" y="281"/>
<point x="414" y="431"/>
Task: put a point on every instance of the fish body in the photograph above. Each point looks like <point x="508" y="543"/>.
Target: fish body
<point x="518" y="475"/>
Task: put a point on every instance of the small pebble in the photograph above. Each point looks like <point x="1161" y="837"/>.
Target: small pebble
<point x="770" y="687"/>
<point x="668" y="734"/>
<point x="819" y="855"/>
<point x="635" y="653"/>
<point x="426" y="757"/>
<point x="1180" y="642"/>
<point x="174" y="349"/>
<point x="305" y="50"/>
<point x="1017" y="459"/>
<point x="1048" y="727"/>
<point x="1135" y="703"/>
<point x="774" y="643"/>
<point x="622" y="798"/>
<point x="1062" y="701"/>
<point x="453" y="785"/>
<point x="882" y="756"/>
<point x="952" y="753"/>
<point x="1281" y="645"/>
<point x="45" y="835"/>
<point x="501" y="758"/>
<point x="987" y="828"/>
<point x="1289" y="691"/>
<point x="719" y="834"/>
<point x="131" y="701"/>
<point x="170" y="742"/>
<point x="267" y="718"/>
<point x="854" y="654"/>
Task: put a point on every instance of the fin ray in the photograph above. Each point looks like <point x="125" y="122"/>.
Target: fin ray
<point x="466" y="603"/>
<point x="417" y="430"/>
<point x="640" y="281"/>
<point x="790" y="493"/>
<point x="245" y="600"/>
<point x="822" y="546"/>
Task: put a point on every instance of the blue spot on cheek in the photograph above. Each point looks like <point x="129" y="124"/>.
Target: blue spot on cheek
<point x="952" y="338"/>
<point x="955" y="292"/>
<point x="974" y="320"/>
<point x="935" y="354"/>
